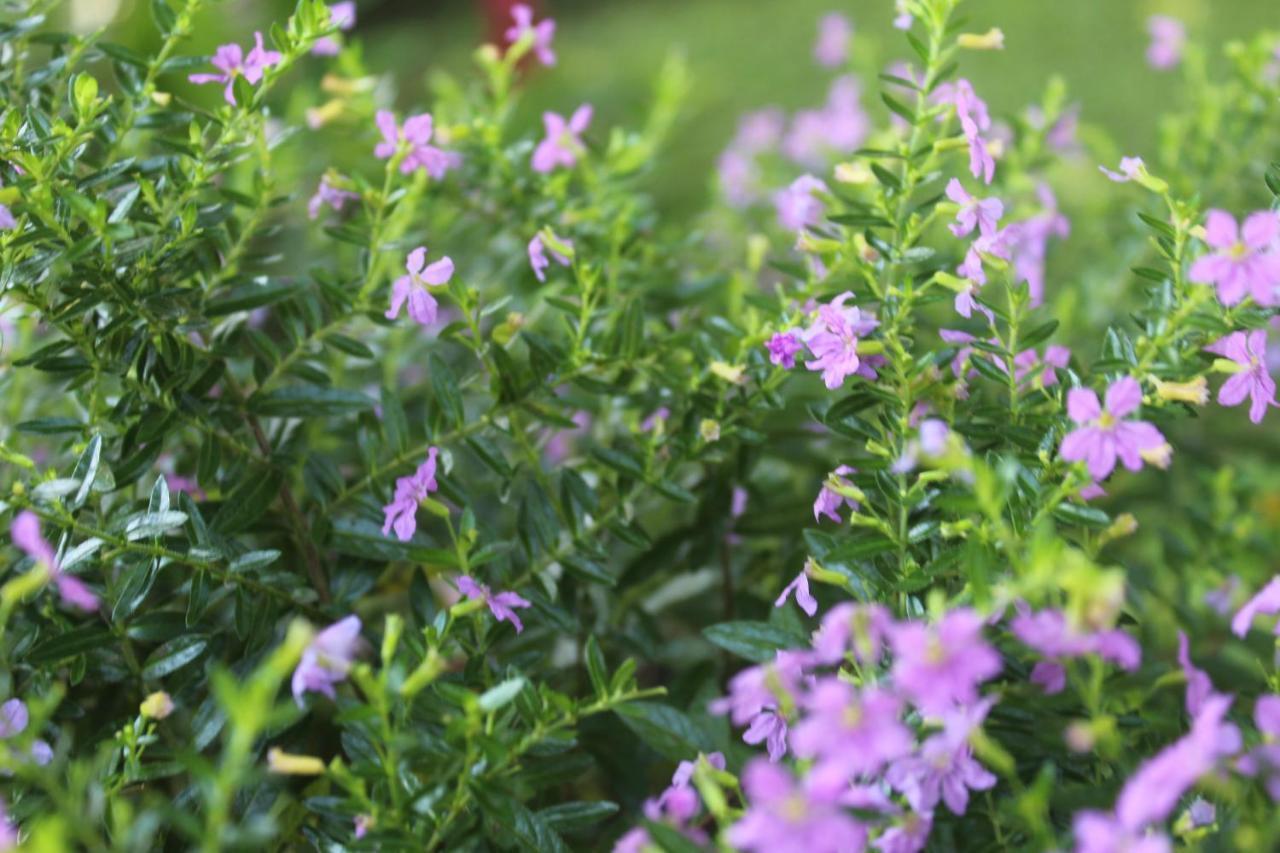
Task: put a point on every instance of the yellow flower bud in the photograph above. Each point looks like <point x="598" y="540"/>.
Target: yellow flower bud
<point x="709" y="429"/>
<point x="157" y="706"/>
<point x="992" y="39"/>
<point x="733" y="373"/>
<point x="279" y="761"/>
<point x="1195" y="392"/>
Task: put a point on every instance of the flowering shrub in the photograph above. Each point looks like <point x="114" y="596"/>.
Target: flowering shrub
<point x="397" y="479"/>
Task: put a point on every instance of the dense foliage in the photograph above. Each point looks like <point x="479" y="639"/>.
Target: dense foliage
<point x="389" y="479"/>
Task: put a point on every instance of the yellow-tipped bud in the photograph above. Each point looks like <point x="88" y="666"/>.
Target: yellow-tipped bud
<point x="1195" y="392"/>
<point x="157" y="706"/>
<point x="279" y="761"/>
<point x="992" y="39"/>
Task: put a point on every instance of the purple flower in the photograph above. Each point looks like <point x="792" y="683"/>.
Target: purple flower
<point x="840" y="126"/>
<point x="1049" y="633"/>
<point x="756" y="695"/>
<point x="562" y="145"/>
<point x="329" y="194"/>
<point x="770" y="728"/>
<point x="783" y="347"/>
<point x="902" y="20"/>
<point x="796" y="205"/>
<point x="1029" y="242"/>
<point x="1253" y="380"/>
<point x="937" y="666"/>
<point x="401" y="513"/>
<point x="785" y="817"/>
<point x="343" y="16"/>
<point x="800" y="586"/>
<point x="1245" y="263"/>
<point x="361" y="825"/>
<point x="1029" y="361"/>
<point x="1168" y="36"/>
<point x="974" y="119"/>
<point x="1266" y="601"/>
<point x="980" y="213"/>
<point x="413" y="287"/>
<point x="1097" y="832"/>
<point x="1199" y="687"/>
<point x="834" y="34"/>
<point x="851" y="732"/>
<point x="25" y="533"/>
<point x="860" y="629"/>
<point x="738" y="173"/>
<point x="502" y="605"/>
<point x="8" y="830"/>
<point x="541" y="32"/>
<point x="944" y="769"/>
<point x="327" y="660"/>
<point x="1130" y="168"/>
<point x="833" y="340"/>
<point x="230" y="60"/>
<point x="412" y="138"/>
<point x="658" y="415"/>
<point x="1103" y="436"/>
<point x="538" y="256"/>
<point x="829" y="501"/>
<point x="911" y="833"/>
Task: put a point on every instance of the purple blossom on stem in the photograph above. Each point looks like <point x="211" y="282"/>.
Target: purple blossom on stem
<point x="502" y="606"/>
<point x="796" y="205"/>
<point x="738" y="173"/>
<point x="902" y="18"/>
<point x="833" y="337"/>
<point x="851" y="732"/>
<point x="1028" y="362"/>
<point x="940" y="665"/>
<point x="562" y="146"/>
<point x="1029" y="242"/>
<point x="829" y="501"/>
<point x="413" y="138"/>
<point x="1103" y="436"/>
<point x="1253" y="380"/>
<point x="840" y="126"/>
<point x="980" y="213"/>
<point x="1245" y="262"/>
<point x="783" y="347"/>
<point x="412" y="288"/>
<point x="343" y="16"/>
<point x="1097" y="832"/>
<point x="944" y="769"/>
<point x="909" y="834"/>
<point x="1199" y="687"/>
<point x="858" y="629"/>
<point x="974" y="119"/>
<point x="26" y="535"/>
<point x="327" y="659"/>
<point x="800" y="587"/>
<point x="542" y="32"/>
<point x="1266" y="602"/>
<point x="329" y="194"/>
<point x="785" y="816"/>
<point x="834" y="34"/>
<point x="538" y="256"/>
<point x="756" y="695"/>
<point x="8" y="830"/>
<point x="1168" y="37"/>
<point x="401" y="513"/>
<point x="1130" y="168"/>
<point x="231" y="62"/>
<point x="13" y="721"/>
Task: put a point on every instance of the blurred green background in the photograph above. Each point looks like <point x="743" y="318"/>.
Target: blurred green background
<point x="745" y="54"/>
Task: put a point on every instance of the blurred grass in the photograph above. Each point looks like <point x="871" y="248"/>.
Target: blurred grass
<point x="744" y="54"/>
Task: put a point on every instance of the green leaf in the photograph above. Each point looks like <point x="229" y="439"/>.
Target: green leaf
<point x="596" y="669"/>
<point x="445" y="387"/>
<point x="578" y="815"/>
<point x="501" y="695"/>
<point x="756" y="641"/>
<point x="86" y="471"/>
<point x="147" y="525"/>
<point x="667" y="730"/>
<point x="173" y="655"/>
<point x="306" y="401"/>
<point x="247" y="501"/>
<point x="69" y="644"/>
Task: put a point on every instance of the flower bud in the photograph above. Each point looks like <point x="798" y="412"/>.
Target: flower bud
<point x="1195" y="392"/>
<point x="992" y="39"/>
<point x="157" y="706"/>
<point x="279" y="761"/>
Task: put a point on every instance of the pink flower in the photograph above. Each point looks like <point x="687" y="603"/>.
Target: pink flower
<point x="541" y="32"/>
<point x="800" y="586"/>
<point x="1103" y="436"/>
<point x="1029" y="242"/>
<point x="833" y="340"/>
<point x="754" y="697"/>
<point x="1168" y="37"/>
<point x="8" y="830"/>
<point x="980" y="213"/>
<point x="13" y="721"/>
<point x="796" y="205"/>
<point x="25" y="533"/>
<point x="413" y="287"/>
<point x="1029" y="362"/>
<point x="782" y="815"/>
<point x="502" y="606"/>
<point x="329" y="194"/>
<point x="362" y="823"/>
<point x="1266" y="601"/>
<point x="231" y="62"/>
<point x="783" y="347"/>
<point x="1199" y="687"/>
<point x="327" y="660"/>
<point x="412" y="138"/>
<point x="538" y="256"/>
<point x="1249" y="350"/>
<point x="851" y="732"/>
<point x="829" y="501"/>
<point x="840" y="126"/>
<point x="562" y="146"/>
<point x="1245" y="263"/>
<point x="401" y="513"/>
<point x="944" y="769"/>
<point x="860" y="629"/>
<point x="343" y="16"/>
<point x="834" y="34"/>
<point x="938" y="666"/>
<point x="974" y="119"/>
<point x="1129" y="169"/>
